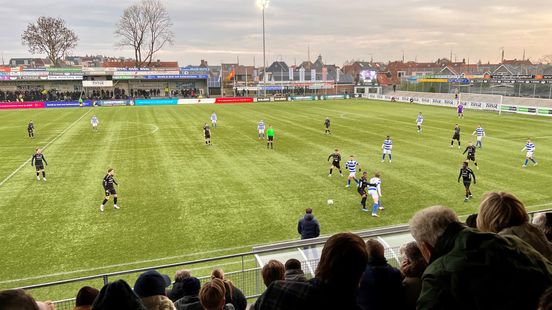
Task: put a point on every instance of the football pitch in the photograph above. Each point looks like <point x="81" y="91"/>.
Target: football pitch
<point x="181" y="199"/>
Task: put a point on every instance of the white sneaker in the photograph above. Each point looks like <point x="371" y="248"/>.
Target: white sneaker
<point x="364" y="209"/>
<point x="38" y="178"/>
<point x="102" y="208"/>
<point x="523" y="166"/>
<point x="341" y="175"/>
<point x="375" y="215"/>
<point x="329" y="175"/>
<point x="116" y="207"/>
<point x="381" y="208"/>
<point x="44" y="179"/>
<point x="451" y="146"/>
<point x="535" y="164"/>
<point x="477" y="167"/>
<point x="383" y="161"/>
<point x="347" y="185"/>
<point x="390" y="160"/>
<point x="459" y="146"/>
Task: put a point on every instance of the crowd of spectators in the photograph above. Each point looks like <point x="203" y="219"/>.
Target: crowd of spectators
<point x="38" y="95"/>
<point x="502" y="262"/>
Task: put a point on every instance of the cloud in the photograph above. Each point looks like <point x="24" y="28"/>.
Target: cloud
<point x="354" y="29"/>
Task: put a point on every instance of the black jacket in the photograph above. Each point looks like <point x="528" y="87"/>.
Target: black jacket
<point x="308" y="227"/>
<point x="380" y="287"/>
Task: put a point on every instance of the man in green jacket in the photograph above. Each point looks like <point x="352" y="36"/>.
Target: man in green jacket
<point x="270" y="137"/>
<point x="473" y="270"/>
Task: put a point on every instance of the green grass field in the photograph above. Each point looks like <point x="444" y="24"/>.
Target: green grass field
<point x="180" y="199"/>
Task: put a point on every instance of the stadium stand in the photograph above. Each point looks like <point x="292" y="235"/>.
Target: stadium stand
<point x="249" y="280"/>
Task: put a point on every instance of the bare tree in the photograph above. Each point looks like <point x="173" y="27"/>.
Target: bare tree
<point x="146" y="27"/>
<point x="49" y="36"/>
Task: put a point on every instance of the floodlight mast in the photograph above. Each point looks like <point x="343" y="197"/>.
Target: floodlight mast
<point x="263" y="4"/>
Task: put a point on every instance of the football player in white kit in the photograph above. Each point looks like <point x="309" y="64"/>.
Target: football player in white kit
<point x="530" y="148"/>
<point x="374" y="190"/>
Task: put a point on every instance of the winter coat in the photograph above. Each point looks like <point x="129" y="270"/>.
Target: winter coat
<point x="532" y="235"/>
<point x="380" y="286"/>
<point x="188" y="303"/>
<point x="475" y="270"/>
<point x="295" y="275"/>
<point x="308" y="227"/>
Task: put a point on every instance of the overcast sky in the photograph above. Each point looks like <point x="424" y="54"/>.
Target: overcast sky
<point x="222" y="30"/>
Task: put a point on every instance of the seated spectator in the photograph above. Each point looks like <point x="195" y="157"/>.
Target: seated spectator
<point x="474" y="270"/>
<point x="504" y="214"/>
<point x="544" y="222"/>
<point x="412" y="267"/>
<point x="233" y="295"/>
<point x="180" y="284"/>
<point x="117" y="296"/>
<point x="212" y="295"/>
<point x="294" y="271"/>
<point x="471" y="221"/>
<point x="190" y="300"/>
<point x="150" y="286"/>
<point x="273" y="271"/>
<point x="380" y="285"/>
<point x="85" y="298"/>
<point x="17" y="300"/>
<point x="344" y="258"/>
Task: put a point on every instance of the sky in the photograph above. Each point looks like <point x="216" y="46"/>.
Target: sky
<point x="225" y="30"/>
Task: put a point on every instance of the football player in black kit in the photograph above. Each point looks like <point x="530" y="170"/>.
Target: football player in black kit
<point x="466" y="174"/>
<point x="207" y="133"/>
<point x="109" y="188"/>
<point x="336" y="159"/>
<point x="471" y="154"/>
<point x="38" y="161"/>
<point x="30" y="129"/>
<point x="362" y="184"/>
<point x="327" y="125"/>
<point x="456" y="136"/>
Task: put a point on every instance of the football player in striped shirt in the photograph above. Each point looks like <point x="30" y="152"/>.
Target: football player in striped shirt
<point x="530" y="148"/>
<point x="480" y="134"/>
<point x="374" y="190"/>
<point x="419" y="121"/>
<point x="386" y="147"/>
<point x="261" y="129"/>
<point x="352" y="165"/>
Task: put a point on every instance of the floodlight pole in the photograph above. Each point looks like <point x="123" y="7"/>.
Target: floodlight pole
<point x="264" y="51"/>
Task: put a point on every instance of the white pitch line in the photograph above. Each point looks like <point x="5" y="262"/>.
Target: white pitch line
<point x="48" y="144"/>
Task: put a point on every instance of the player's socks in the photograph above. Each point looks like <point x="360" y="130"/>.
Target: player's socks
<point x="526" y="161"/>
<point x="383" y="158"/>
<point x="375" y="209"/>
<point x="534" y="161"/>
<point x="115" y="200"/>
<point x="390" y="158"/>
<point x="356" y="181"/>
<point x="44" y="174"/>
<point x="349" y="182"/>
<point x="363" y="202"/>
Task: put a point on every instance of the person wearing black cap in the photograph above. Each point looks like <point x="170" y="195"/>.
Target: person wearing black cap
<point x="117" y="295"/>
<point x="85" y="298"/>
<point x="190" y="301"/>
<point x="150" y="286"/>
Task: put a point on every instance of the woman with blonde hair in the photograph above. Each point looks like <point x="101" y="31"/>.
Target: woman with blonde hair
<point x="504" y="214"/>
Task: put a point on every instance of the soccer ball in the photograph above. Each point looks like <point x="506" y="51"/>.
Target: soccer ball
<point x="330" y="202"/>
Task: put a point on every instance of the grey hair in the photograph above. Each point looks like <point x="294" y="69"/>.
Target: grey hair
<point x="429" y="224"/>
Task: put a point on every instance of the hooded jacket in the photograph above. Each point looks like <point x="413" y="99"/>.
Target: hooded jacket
<point x="308" y="227"/>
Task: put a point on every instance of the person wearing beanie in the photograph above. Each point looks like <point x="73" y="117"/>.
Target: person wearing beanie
<point x="151" y="286"/>
<point x="85" y="298"/>
<point x="117" y="296"/>
<point x="190" y="301"/>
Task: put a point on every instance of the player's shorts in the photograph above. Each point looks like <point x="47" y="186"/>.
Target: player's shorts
<point x="419" y="124"/>
<point x="387" y="152"/>
<point x="39" y="167"/>
<point x="472" y="158"/>
<point x="373" y="193"/>
<point x="361" y="191"/>
<point x="479" y="138"/>
<point x="336" y="164"/>
<point x="467" y="184"/>
<point x="529" y="155"/>
<point x="207" y="136"/>
<point x="352" y="174"/>
<point x="261" y="131"/>
<point x="327" y="126"/>
<point x="94" y="124"/>
<point x="456" y="137"/>
<point x="270" y="138"/>
<point x="110" y="191"/>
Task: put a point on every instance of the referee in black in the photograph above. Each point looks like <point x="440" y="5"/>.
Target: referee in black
<point x="466" y="174"/>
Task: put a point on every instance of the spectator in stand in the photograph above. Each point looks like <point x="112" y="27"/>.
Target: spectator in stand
<point x="212" y="295"/>
<point x="190" y="301"/>
<point x="117" y="296"/>
<point x="17" y="300"/>
<point x="85" y="298"/>
<point x="233" y="295"/>
<point x="294" y="271"/>
<point x="380" y="285"/>
<point x="273" y="271"/>
<point x="180" y="285"/>
<point x="334" y="286"/>
<point x="474" y="270"/>
<point x="471" y="221"/>
<point x="504" y="214"/>
<point x="150" y="286"/>
<point x="544" y="222"/>
<point x="412" y="267"/>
